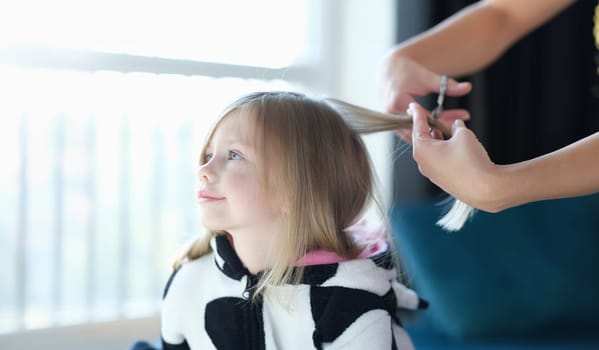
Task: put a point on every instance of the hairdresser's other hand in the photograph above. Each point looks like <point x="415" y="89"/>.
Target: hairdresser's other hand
<point x="459" y="165"/>
<point x="402" y="80"/>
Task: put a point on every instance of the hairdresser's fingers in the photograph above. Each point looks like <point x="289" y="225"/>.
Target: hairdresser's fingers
<point x="406" y="135"/>
<point x="397" y="101"/>
<point x="457" y="126"/>
<point x="455" y="88"/>
<point x="423" y="151"/>
<point x="402" y="80"/>
<point x="461" y="134"/>
<point x="420" y="129"/>
<point x="449" y="116"/>
<point x="436" y="134"/>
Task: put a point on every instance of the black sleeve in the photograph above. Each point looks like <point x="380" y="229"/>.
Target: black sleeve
<point x="182" y="346"/>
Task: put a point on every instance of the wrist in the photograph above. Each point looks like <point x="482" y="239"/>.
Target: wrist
<point x="402" y="53"/>
<point x="497" y="190"/>
<point x="508" y="187"/>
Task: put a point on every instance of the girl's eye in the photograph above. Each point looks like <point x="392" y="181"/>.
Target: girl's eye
<point x="207" y="157"/>
<point x="234" y="155"/>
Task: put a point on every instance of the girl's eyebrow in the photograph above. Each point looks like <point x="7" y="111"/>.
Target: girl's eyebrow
<point x="236" y="142"/>
<point x="228" y="141"/>
<point x="232" y="143"/>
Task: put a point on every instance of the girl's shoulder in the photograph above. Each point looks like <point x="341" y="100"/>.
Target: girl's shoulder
<point x="373" y="274"/>
<point x="186" y="276"/>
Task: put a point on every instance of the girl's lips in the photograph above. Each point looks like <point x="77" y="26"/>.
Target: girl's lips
<point x="207" y="197"/>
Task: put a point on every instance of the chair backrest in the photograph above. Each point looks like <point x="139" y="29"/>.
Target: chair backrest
<point x="528" y="270"/>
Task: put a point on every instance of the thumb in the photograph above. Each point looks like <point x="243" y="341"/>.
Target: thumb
<point x="420" y="128"/>
<point x="457" y="125"/>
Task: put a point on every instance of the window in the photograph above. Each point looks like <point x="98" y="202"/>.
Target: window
<point x="100" y="187"/>
<point x="103" y="104"/>
<point x="262" y="33"/>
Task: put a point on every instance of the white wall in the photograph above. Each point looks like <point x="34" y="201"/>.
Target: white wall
<point x="367" y="32"/>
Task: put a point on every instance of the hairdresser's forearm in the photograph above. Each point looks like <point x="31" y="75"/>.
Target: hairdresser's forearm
<point x="477" y="35"/>
<point x="570" y="171"/>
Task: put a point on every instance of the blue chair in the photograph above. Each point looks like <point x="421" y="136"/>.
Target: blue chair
<point x="525" y="278"/>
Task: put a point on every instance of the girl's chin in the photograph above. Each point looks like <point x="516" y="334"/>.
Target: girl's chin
<point x="211" y="225"/>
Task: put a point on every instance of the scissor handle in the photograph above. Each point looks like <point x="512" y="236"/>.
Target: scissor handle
<point x="440" y="98"/>
<point x="442" y="91"/>
<point x="436" y="124"/>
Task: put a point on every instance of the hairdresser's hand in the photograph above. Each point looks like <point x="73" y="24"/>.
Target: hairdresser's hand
<point x="402" y="80"/>
<point x="460" y="165"/>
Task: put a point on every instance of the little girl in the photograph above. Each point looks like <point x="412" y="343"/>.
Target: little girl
<point x="286" y="262"/>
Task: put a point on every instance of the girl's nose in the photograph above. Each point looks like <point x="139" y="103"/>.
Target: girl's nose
<point x="206" y="173"/>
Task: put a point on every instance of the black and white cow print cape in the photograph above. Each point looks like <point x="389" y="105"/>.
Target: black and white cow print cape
<point x="345" y="305"/>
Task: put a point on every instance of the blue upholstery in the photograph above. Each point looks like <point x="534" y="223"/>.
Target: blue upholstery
<point x="525" y="273"/>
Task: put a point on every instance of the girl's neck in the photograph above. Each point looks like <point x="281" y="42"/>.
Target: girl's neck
<point x="256" y="250"/>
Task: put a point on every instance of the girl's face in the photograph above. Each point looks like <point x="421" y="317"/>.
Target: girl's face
<point x="231" y="196"/>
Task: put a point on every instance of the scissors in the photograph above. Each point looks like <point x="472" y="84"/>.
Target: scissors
<point x="434" y="117"/>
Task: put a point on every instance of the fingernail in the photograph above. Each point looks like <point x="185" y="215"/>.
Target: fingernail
<point x="411" y="108"/>
<point x="457" y="123"/>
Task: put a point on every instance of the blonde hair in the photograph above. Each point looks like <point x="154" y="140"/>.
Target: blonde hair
<point x="364" y="121"/>
<point x="323" y="173"/>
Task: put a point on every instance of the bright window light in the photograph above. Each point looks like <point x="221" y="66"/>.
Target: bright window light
<point x="97" y="191"/>
<point x="226" y="31"/>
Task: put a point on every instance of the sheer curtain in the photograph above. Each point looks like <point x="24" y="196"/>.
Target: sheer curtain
<point x="104" y="105"/>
